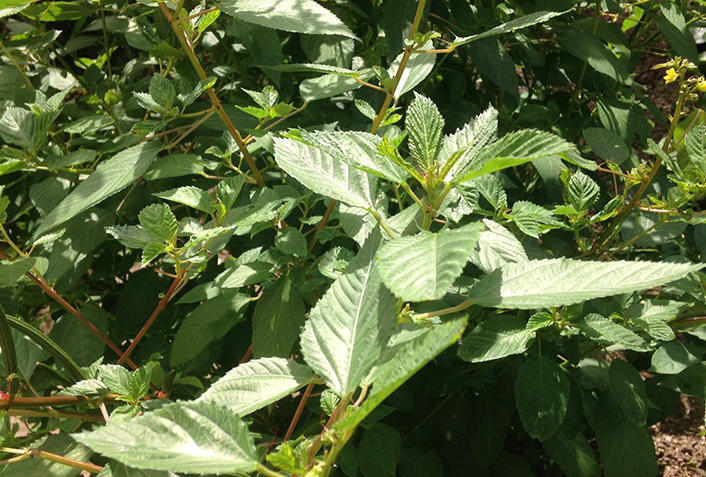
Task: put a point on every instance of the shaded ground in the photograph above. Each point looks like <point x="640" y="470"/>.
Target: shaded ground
<point x="680" y="450"/>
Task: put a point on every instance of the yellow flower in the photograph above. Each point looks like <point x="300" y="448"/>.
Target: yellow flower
<point x="701" y="84"/>
<point x="671" y="76"/>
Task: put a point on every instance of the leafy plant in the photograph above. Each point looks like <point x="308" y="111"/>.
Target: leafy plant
<point x="451" y="222"/>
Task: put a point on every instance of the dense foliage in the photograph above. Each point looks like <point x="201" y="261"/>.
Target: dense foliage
<point x="348" y="237"/>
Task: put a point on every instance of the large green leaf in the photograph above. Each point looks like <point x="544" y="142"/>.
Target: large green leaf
<point x="13" y="270"/>
<point x="256" y="384"/>
<point x="206" y="323"/>
<point x="116" y="469"/>
<point x="79" y="341"/>
<point x="299" y="16"/>
<point x="628" y="390"/>
<point x="541" y="395"/>
<point x="592" y="50"/>
<point x="494" y="63"/>
<point x="17" y="126"/>
<point x="406" y="362"/>
<point x="495" y="338"/>
<point x="490" y="421"/>
<point x="626" y="450"/>
<point x="425" y="126"/>
<point x="573" y="455"/>
<point x="469" y="141"/>
<point x="513" y="150"/>
<point x="349" y="327"/>
<point x="357" y="149"/>
<point x="195" y="437"/>
<point x="557" y="282"/>
<point x="419" y="66"/>
<point x="497" y="246"/>
<point x="278" y="317"/>
<point x="109" y="178"/>
<point x="606" y="331"/>
<point x="422" y="267"/>
<point x="325" y="175"/>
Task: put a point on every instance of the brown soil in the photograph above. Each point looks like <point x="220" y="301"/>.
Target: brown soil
<point x="680" y="450"/>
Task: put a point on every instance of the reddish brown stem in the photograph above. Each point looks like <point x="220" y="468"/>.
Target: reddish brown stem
<point x="56" y="414"/>
<point x="322" y="224"/>
<point x="298" y="413"/>
<point x="246" y="356"/>
<point x="160" y="306"/>
<point x="42" y="401"/>
<point x="51" y="292"/>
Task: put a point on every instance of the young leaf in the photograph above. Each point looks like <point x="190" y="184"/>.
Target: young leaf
<point x="228" y="190"/>
<point x="278" y="318"/>
<point x="323" y="174"/>
<point x="115" y="377"/>
<point x="512" y="150"/>
<point x="191" y="196"/>
<point x="298" y="16"/>
<point x="109" y="178"/>
<point x="162" y="91"/>
<point x="582" y="192"/>
<point x="469" y="140"/>
<point x="195" y="437"/>
<point x="350" y="325"/>
<point x="425" y="126"/>
<point x="131" y="236"/>
<point x="606" y="331"/>
<point x="17" y="126"/>
<point x="202" y="86"/>
<point x="495" y="338"/>
<point x="541" y="395"/>
<point x="422" y="267"/>
<point x="256" y="384"/>
<point x="557" y="282"/>
<point x="158" y="221"/>
<point x="291" y="241"/>
<point x="357" y="149"/>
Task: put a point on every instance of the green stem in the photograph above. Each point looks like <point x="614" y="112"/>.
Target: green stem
<point x="383" y="224"/>
<point x="268" y="472"/>
<point x="16" y="65"/>
<point x="446" y="311"/>
<point x="212" y="94"/>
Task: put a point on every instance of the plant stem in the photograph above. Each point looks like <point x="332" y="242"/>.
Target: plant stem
<point x="181" y="36"/>
<point x="180" y="277"/>
<point x="76" y="464"/>
<point x="298" y="413"/>
<point x="56" y="414"/>
<point x="43" y="401"/>
<point x="16" y="65"/>
<point x="322" y="224"/>
<point x="446" y="311"/>
<point x="269" y="473"/>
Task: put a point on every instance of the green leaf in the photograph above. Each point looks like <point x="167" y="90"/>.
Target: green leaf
<point x="244" y="275"/>
<point x="17" y="127"/>
<point x="159" y="222"/>
<point x="541" y="395"/>
<point x="110" y="177"/>
<point x="398" y="16"/>
<point x="206" y="323"/>
<point x="425" y="127"/>
<point x="357" y="149"/>
<point x="13" y="270"/>
<point x="291" y="241"/>
<point x="130" y="236"/>
<point x="298" y="16"/>
<point x="419" y="66"/>
<point x="9" y="353"/>
<point x="490" y="421"/>
<point x="494" y="62"/>
<point x="162" y="91"/>
<point x="190" y="196"/>
<point x="495" y="338"/>
<point x="350" y="325"/>
<point x="469" y="141"/>
<point x="673" y="358"/>
<point x="696" y="146"/>
<point x="328" y="85"/>
<point x="194" y="437"/>
<point x="605" y="330"/>
<point x="582" y="192"/>
<point x="606" y="144"/>
<point x="628" y="390"/>
<point x="115" y="377"/>
<point x="512" y="25"/>
<point x="678" y="37"/>
<point x="202" y="86"/>
<point x="278" y="318"/>
<point x="153" y="250"/>
<point x="262" y="43"/>
<point x="573" y="455"/>
<point x="422" y="267"/>
<point x="592" y="50"/>
<point x="228" y="190"/>
<point x="79" y="341"/>
<point x="497" y="246"/>
<point x="626" y="450"/>
<point x="379" y="450"/>
<point x="93" y="388"/>
<point x="512" y="150"/>
<point x="256" y="384"/>
<point x="406" y="362"/>
<point x="557" y="282"/>
<point x="321" y="173"/>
